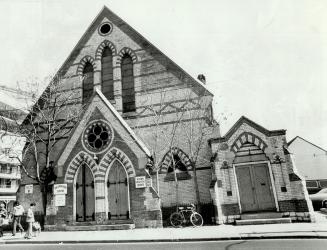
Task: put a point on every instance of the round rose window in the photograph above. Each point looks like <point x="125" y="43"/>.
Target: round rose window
<point x="97" y="136"/>
<point x="105" y="29"/>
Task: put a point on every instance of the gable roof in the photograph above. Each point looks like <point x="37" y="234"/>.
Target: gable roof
<point x="98" y="92"/>
<point x="251" y="123"/>
<point x="139" y="39"/>
<point x="124" y="123"/>
<point x="301" y="138"/>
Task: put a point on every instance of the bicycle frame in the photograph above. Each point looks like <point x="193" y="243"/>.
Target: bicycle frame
<point x="186" y="213"/>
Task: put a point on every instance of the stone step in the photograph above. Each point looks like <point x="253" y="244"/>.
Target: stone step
<point x="266" y="215"/>
<point x="263" y="221"/>
<point x="107" y="222"/>
<point x="100" y="227"/>
<point x="83" y="226"/>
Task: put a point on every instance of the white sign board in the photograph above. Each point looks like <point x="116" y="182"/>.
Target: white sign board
<point x="148" y="182"/>
<point x="140" y="182"/>
<point x="60" y="200"/>
<point x="29" y="189"/>
<point x="59" y="189"/>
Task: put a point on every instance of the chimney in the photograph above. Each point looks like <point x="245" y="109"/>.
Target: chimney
<point x="202" y="78"/>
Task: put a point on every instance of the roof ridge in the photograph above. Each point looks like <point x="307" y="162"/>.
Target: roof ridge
<point x="300" y="137"/>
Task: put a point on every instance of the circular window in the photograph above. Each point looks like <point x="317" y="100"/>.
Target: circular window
<point x="97" y="136"/>
<point x="105" y="29"/>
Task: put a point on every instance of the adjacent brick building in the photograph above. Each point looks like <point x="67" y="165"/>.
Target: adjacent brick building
<point x="141" y="145"/>
<point x="253" y="171"/>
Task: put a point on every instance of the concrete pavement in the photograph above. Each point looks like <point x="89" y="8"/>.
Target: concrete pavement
<point x="205" y="233"/>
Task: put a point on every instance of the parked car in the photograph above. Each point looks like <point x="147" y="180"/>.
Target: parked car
<point x="319" y="200"/>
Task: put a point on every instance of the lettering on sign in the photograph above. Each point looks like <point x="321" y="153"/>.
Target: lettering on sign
<point x="59" y="189"/>
<point x="140" y="182"/>
<point x="29" y="189"/>
<point x="148" y="182"/>
<point x="60" y="200"/>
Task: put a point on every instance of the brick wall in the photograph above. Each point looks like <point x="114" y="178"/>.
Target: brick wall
<point x="290" y="195"/>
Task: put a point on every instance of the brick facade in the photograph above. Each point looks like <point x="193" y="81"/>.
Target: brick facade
<point x="173" y="114"/>
<point x="162" y="89"/>
<point x="261" y="147"/>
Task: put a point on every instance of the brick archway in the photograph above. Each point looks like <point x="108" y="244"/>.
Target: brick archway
<point x="168" y="157"/>
<point x="248" y="137"/>
<point x="105" y="43"/>
<point x="124" y="51"/>
<point x="82" y="63"/>
<point x="113" y="154"/>
<point x="76" y="162"/>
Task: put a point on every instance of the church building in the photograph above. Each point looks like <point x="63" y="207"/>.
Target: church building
<point x="147" y="141"/>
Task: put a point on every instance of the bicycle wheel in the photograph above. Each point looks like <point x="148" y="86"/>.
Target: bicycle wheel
<point x="176" y="219"/>
<point x="196" y="219"/>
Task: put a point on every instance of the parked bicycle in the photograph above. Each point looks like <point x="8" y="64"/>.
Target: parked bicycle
<point x="184" y="215"/>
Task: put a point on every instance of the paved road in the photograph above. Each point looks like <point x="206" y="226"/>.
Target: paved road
<point x="288" y="244"/>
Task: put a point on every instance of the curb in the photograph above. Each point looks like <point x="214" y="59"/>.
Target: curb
<point x="259" y="237"/>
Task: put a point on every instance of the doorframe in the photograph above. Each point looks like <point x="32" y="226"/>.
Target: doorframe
<point x="74" y="190"/>
<point x="106" y="188"/>
<point x="272" y="182"/>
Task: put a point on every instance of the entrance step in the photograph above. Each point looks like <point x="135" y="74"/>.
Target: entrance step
<point x="263" y="221"/>
<point x="92" y="226"/>
<point x="266" y="215"/>
<point x="100" y="227"/>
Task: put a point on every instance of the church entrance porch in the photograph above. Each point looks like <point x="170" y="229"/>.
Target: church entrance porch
<point x="254" y="186"/>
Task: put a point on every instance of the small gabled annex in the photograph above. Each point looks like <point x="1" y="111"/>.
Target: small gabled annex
<point x="253" y="172"/>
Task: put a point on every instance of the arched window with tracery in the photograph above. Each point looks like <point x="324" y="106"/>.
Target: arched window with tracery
<point x="128" y="90"/>
<point x="88" y="79"/>
<point x="107" y="86"/>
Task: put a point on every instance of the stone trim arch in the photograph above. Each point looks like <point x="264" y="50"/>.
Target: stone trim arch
<point x="168" y="157"/>
<point x="76" y="163"/>
<point x="250" y="138"/>
<point x="113" y="154"/>
<point x="105" y="43"/>
<point x="82" y="63"/>
<point x="124" y="51"/>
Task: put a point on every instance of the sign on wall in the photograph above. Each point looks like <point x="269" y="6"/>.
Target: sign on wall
<point x="59" y="189"/>
<point x="148" y="182"/>
<point x="60" y="200"/>
<point x="140" y="182"/>
<point x="29" y="189"/>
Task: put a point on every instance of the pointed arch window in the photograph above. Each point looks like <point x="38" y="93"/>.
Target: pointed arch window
<point x="128" y="90"/>
<point x="177" y="166"/>
<point x="107" y="86"/>
<point x="88" y="79"/>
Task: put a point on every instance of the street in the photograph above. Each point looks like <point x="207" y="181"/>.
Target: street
<point x="279" y="244"/>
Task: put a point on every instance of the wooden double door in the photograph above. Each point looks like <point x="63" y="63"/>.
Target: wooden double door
<point x="117" y="185"/>
<point x="255" y="188"/>
<point x="85" y="201"/>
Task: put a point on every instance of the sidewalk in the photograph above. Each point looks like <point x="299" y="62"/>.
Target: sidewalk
<point x="205" y="233"/>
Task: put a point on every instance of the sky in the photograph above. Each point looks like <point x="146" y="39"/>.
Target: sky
<point x="265" y="59"/>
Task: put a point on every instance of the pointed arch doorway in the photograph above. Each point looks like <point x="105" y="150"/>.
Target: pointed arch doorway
<point x="84" y="190"/>
<point x="117" y="192"/>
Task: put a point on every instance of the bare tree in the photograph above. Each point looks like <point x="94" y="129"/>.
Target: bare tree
<point x="191" y="126"/>
<point x="49" y="121"/>
<point x="200" y="126"/>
